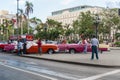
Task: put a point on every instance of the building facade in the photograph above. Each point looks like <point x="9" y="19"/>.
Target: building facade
<point x="67" y="16"/>
<point x="4" y="18"/>
<point x="5" y="15"/>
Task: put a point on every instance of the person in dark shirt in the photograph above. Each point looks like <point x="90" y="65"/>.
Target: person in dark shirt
<point x="24" y="48"/>
<point x="39" y="46"/>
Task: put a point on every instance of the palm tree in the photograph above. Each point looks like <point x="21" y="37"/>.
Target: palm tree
<point x="35" y="21"/>
<point x="21" y="17"/>
<point x="28" y="10"/>
<point x="7" y="28"/>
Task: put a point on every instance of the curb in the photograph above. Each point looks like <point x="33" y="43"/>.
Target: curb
<point x="77" y="63"/>
<point x="114" y="48"/>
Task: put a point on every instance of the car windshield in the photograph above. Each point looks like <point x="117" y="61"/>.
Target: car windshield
<point x="79" y="42"/>
<point x="2" y="42"/>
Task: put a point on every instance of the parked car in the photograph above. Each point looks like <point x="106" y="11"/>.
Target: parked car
<point x="79" y="47"/>
<point x="46" y="48"/>
<point x="10" y="47"/>
<point x="51" y="42"/>
<point x="2" y="45"/>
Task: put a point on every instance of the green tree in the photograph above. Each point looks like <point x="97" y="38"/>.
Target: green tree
<point x="36" y="24"/>
<point x="54" y="28"/>
<point x="110" y="21"/>
<point x="21" y="19"/>
<point x="28" y="10"/>
<point x="35" y="21"/>
<point x="84" y="24"/>
<point x="7" y="28"/>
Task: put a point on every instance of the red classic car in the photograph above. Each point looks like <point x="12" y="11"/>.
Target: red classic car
<point x="33" y="48"/>
<point x="31" y="45"/>
<point x="46" y="48"/>
<point x="79" y="47"/>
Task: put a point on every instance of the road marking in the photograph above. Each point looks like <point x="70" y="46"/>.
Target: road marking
<point x="53" y="73"/>
<point x="101" y="75"/>
<point x="29" y="67"/>
<point x="28" y="72"/>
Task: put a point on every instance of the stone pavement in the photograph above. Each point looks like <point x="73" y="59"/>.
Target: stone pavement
<point x="110" y="59"/>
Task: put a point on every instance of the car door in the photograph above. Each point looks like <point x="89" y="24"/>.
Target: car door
<point x="62" y="47"/>
<point x="89" y="49"/>
<point x="81" y="47"/>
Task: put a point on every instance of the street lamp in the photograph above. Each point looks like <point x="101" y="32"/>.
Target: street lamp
<point x="17" y="14"/>
<point x="97" y="21"/>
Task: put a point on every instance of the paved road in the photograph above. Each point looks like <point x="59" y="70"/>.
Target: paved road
<point x="106" y="59"/>
<point x="20" y="68"/>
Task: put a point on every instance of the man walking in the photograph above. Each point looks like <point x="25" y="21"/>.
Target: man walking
<point x="95" y="44"/>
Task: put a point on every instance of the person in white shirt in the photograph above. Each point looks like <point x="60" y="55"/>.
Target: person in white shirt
<point x="19" y="47"/>
<point x="95" y="43"/>
<point x="85" y="45"/>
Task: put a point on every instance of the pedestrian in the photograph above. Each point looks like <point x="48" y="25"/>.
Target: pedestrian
<point x="19" y="48"/>
<point x="95" y="44"/>
<point x="24" y="48"/>
<point x="39" y="46"/>
<point x="85" y="45"/>
<point x="64" y="41"/>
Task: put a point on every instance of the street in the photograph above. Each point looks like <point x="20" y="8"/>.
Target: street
<point x="13" y="67"/>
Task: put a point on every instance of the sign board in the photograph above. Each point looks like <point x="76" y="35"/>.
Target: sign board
<point x="29" y="37"/>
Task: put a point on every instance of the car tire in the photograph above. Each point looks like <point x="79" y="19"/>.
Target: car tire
<point x="72" y="51"/>
<point x="50" y="51"/>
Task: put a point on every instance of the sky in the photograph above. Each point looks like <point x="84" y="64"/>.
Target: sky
<point x="43" y="8"/>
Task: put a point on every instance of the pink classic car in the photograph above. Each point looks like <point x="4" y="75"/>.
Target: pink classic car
<point x="9" y="47"/>
<point x="79" y="47"/>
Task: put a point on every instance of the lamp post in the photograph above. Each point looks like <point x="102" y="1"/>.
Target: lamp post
<point x="97" y="21"/>
<point x="17" y="16"/>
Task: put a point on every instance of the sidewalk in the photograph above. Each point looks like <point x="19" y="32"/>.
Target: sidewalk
<point x="106" y="59"/>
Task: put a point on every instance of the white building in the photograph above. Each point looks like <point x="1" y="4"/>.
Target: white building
<point x="67" y="16"/>
<point x="5" y="15"/>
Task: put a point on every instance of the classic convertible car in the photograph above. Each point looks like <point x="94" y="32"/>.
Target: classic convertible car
<point x="2" y="45"/>
<point x="33" y="48"/>
<point x="79" y="47"/>
<point x="46" y="48"/>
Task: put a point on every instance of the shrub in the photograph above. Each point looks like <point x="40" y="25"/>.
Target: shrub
<point x="117" y="44"/>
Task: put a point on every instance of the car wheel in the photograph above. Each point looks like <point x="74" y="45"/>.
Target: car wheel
<point x="50" y="51"/>
<point x="72" y="51"/>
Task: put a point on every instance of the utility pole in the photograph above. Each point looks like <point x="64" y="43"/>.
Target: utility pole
<point x="17" y="17"/>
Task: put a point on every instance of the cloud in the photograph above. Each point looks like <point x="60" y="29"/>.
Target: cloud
<point x="22" y="2"/>
<point x="113" y="3"/>
<point x="66" y="2"/>
<point x="112" y="0"/>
